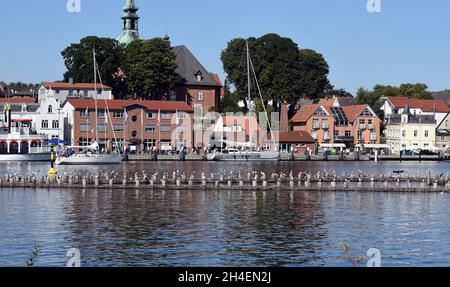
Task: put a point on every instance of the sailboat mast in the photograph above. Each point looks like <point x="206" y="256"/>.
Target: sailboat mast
<point x="249" y="92"/>
<point x="95" y="95"/>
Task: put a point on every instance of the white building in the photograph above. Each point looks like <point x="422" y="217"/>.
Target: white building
<point x="394" y="106"/>
<point x="62" y="91"/>
<point x="49" y="119"/>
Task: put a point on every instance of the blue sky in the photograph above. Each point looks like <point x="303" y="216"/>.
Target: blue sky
<point x="409" y="41"/>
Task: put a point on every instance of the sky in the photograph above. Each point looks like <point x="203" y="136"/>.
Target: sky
<point x="408" y="41"/>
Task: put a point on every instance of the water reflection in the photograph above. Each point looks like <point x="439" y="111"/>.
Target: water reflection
<point x="223" y="228"/>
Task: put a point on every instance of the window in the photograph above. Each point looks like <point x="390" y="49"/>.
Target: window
<point x="326" y="136"/>
<point x="360" y="135"/>
<point x="173" y="95"/>
<point x="427" y="133"/>
<point x="200" y="96"/>
<point x="316" y="124"/>
<point x="362" y="124"/>
<point x="134" y="118"/>
<point x="416" y="133"/>
<point x="314" y="134"/>
<point x="182" y="115"/>
<point x="55" y="124"/>
<point x="336" y="133"/>
<point x="348" y="134"/>
<point x="404" y="133"/>
<point x="151" y="115"/>
<point x="150" y="128"/>
<point x="85" y="114"/>
<point x="198" y="76"/>
<point x="166" y="116"/>
<point x="102" y="127"/>
<point x="320" y="112"/>
<point x="44" y="124"/>
<point x="50" y="109"/>
<point x="324" y="124"/>
<point x="118" y="127"/>
<point x="84" y="127"/>
<point x="367" y="112"/>
<point x="101" y="114"/>
<point x="134" y="134"/>
<point x="99" y="92"/>
<point x="166" y="128"/>
<point x="118" y="115"/>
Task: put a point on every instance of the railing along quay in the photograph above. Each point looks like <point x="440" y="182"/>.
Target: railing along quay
<point x="236" y="181"/>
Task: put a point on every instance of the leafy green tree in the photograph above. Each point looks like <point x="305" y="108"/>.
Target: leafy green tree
<point x="230" y="100"/>
<point x="374" y="97"/>
<point x="150" y="68"/>
<point x="417" y="91"/>
<point x="285" y="73"/>
<point x="79" y="62"/>
<point x="314" y="74"/>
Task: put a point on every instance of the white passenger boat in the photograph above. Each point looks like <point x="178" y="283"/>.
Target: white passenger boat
<point x="44" y="156"/>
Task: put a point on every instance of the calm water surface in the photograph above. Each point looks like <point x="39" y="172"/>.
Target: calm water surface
<point x="145" y="228"/>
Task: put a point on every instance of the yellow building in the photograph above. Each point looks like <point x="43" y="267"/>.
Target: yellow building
<point x="411" y="132"/>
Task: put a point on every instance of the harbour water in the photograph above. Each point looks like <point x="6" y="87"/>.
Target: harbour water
<point x="224" y="228"/>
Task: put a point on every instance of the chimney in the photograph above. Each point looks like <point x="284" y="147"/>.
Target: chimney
<point x="284" y="118"/>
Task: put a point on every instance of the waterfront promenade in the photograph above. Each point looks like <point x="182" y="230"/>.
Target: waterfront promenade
<point x="288" y="157"/>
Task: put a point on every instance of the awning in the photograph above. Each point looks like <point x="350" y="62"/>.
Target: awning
<point x="377" y="146"/>
<point x="332" y="146"/>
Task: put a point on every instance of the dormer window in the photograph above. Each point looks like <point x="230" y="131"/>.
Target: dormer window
<point x="50" y="109"/>
<point x="199" y="76"/>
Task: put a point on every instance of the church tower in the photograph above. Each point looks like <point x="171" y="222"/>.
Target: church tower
<point x="130" y="24"/>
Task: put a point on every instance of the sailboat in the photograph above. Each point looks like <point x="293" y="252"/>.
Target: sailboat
<point x="91" y="155"/>
<point x="248" y="151"/>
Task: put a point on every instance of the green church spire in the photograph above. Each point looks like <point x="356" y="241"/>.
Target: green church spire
<point x="130" y="23"/>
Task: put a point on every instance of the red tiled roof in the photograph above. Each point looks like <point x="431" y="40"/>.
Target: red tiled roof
<point x="18" y="100"/>
<point x="296" y="137"/>
<point x="61" y="85"/>
<point x="426" y="105"/>
<point x="307" y="111"/>
<point x="352" y="112"/>
<point x="121" y="104"/>
<point x="293" y="137"/>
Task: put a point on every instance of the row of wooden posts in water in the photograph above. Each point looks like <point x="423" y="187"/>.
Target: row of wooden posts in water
<point x="302" y="181"/>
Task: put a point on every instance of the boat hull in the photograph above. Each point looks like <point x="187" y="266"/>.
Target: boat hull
<point x="35" y="157"/>
<point x="97" y="160"/>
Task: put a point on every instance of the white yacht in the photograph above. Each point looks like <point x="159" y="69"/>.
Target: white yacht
<point x="90" y="155"/>
<point x="237" y="155"/>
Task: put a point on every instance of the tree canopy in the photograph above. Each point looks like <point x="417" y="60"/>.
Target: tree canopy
<point x="145" y="69"/>
<point x="285" y="72"/>
<point x="373" y="97"/>
<point x="79" y="61"/>
<point x="151" y="68"/>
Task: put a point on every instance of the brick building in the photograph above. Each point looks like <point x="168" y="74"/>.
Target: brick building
<point x="201" y="89"/>
<point x="129" y="123"/>
<point x="354" y="124"/>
